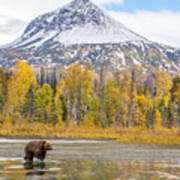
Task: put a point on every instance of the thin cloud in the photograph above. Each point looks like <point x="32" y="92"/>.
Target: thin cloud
<point x="27" y="10"/>
<point x="101" y="2"/>
<point x="10" y="29"/>
<point x="10" y="25"/>
<point x="162" y="27"/>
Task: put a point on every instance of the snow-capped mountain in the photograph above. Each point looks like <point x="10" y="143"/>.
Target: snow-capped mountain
<point x="80" y="22"/>
<point x="82" y="31"/>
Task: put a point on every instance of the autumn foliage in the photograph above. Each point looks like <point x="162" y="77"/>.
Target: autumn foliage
<point x="79" y="97"/>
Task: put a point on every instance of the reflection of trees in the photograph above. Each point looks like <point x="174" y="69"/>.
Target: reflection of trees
<point x="91" y="170"/>
<point x="110" y="170"/>
<point x="106" y="170"/>
<point x="72" y="169"/>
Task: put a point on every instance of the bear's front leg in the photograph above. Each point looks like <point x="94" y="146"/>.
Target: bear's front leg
<point x="29" y="156"/>
<point x="41" y="155"/>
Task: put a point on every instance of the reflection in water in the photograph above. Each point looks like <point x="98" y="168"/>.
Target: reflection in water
<point x="104" y="161"/>
<point x="89" y="170"/>
<point x="35" y="169"/>
<point x="31" y="165"/>
<point x="28" y="165"/>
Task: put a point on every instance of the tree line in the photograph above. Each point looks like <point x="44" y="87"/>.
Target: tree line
<point x="78" y="94"/>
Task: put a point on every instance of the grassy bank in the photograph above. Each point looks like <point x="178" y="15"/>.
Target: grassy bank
<point x="159" y="137"/>
<point x="58" y="131"/>
<point x="131" y="136"/>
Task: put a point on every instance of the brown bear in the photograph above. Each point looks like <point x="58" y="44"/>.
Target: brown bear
<point x="37" y="149"/>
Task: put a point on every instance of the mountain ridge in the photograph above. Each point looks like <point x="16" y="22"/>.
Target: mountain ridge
<point x="81" y="30"/>
<point x="81" y="20"/>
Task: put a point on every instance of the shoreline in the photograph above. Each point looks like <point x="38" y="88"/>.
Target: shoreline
<point x="116" y="135"/>
<point x="56" y="138"/>
<point x="112" y="140"/>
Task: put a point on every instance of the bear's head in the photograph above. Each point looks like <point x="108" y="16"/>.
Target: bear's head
<point x="46" y="145"/>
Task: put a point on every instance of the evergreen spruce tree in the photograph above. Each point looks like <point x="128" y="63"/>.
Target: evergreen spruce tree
<point x="54" y="112"/>
<point x="29" y="108"/>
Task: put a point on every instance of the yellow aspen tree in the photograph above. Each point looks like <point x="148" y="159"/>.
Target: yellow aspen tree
<point x="125" y="99"/>
<point x="18" y="86"/>
<point x="143" y="105"/>
<point x="158" y="125"/>
<point x="76" y="84"/>
<point x="112" y="102"/>
<point x="58" y="104"/>
<point x="163" y="84"/>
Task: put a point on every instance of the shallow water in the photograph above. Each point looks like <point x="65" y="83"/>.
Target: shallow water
<point x="90" y="160"/>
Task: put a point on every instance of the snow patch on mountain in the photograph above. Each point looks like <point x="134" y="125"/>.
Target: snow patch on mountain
<point x="88" y="34"/>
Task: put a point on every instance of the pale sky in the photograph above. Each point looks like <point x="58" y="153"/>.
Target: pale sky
<point x="157" y="20"/>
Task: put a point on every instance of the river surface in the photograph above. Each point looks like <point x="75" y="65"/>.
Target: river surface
<point x="90" y="160"/>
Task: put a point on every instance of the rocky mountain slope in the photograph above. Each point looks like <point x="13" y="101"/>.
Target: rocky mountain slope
<point x="82" y="31"/>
